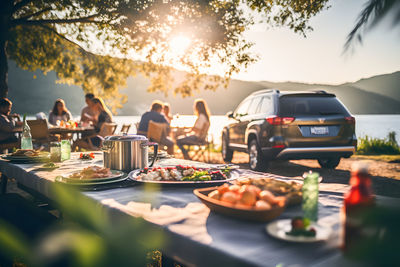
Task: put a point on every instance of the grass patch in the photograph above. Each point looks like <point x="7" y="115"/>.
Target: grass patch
<point x="376" y="146"/>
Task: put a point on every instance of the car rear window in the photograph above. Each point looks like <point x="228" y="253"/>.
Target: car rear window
<point x="310" y="105"/>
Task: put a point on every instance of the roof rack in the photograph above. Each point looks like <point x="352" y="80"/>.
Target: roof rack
<point x="319" y="91"/>
<point x="266" y="91"/>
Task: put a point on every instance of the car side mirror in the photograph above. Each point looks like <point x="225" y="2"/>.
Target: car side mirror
<point x="230" y="114"/>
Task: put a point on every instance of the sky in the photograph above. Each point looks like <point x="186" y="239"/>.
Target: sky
<point x="287" y="56"/>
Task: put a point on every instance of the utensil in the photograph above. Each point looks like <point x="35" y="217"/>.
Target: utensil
<point x="251" y="214"/>
<point x="127" y="152"/>
<point x="279" y="228"/>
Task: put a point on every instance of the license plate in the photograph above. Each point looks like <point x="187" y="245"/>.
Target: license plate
<point x="319" y="130"/>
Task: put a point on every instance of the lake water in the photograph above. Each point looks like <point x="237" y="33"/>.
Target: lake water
<point x="377" y="126"/>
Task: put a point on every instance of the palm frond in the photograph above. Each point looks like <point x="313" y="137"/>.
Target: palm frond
<point x="374" y="11"/>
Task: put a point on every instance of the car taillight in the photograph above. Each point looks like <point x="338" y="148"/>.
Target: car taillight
<point x="278" y="146"/>
<point x="279" y="120"/>
<point x="350" y="120"/>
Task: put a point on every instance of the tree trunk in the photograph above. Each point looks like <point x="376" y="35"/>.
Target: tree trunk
<point x="3" y="67"/>
<point x="5" y="16"/>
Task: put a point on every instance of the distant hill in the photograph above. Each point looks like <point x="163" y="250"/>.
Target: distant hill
<point x="375" y="95"/>
<point x="386" y="84"/>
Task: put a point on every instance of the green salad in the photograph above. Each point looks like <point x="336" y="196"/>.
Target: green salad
<point x="198" y="176"/>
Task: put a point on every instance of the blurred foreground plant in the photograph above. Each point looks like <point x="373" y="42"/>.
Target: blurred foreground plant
<point x="88" y="235"/>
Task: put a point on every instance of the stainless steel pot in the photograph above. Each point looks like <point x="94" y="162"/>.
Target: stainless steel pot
<point x="127" y="152"/>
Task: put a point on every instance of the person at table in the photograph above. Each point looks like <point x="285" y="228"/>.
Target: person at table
<point x="59" y="113"/>
<point x="155" y="115"/>
<point x="9" y="123"/>
<point x="105" y="114"/>
<point x="88" y="113"/>
<point x="95" y="141"/>
<point x="198" y="133"/>
<point x="167" y="112"/>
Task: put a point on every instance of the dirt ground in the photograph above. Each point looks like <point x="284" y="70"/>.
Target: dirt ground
<point x="385" y="175"/>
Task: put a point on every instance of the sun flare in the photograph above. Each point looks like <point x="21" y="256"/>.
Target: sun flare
<point x="179" y="44"/>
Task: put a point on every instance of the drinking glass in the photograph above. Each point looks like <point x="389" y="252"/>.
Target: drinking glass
<point x="310" y="195"/>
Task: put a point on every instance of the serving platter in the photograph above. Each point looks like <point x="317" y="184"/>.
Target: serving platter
<point x="133" y="175"/>
<point x="116" y="175"/>
<point x="279" y="228"/>
<point x="251" y="214"/>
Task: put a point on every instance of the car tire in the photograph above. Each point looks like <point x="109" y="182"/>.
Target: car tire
<point x="329" y="163"/>
<point x="256" y="158"/>
<point x="227" y="153"/>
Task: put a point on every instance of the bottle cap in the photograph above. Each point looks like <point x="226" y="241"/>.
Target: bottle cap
<point x="360" y="167"/>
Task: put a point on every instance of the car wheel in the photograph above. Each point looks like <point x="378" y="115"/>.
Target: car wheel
<point x="329" y="163"/>
<point x="227" y="153"/>
<point x="256" y="159"/>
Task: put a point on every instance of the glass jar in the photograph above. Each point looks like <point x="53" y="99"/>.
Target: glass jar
<point x="65" y="150"/>
<point x="55" y="151"/>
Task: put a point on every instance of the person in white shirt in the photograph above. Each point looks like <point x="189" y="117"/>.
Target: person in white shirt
<point x="199" y="131"/>
<point x="59" y="112"/>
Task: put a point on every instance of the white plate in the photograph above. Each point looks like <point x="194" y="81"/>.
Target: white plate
<point x="115" y="176"/>
<point x="133" y="175"/>
<point x="279" y="228"/>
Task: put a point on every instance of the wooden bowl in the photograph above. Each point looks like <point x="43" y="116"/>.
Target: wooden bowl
<point x="250" y="214"/>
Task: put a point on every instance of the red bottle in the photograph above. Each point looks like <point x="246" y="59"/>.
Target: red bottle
<point x="357" y="202"/>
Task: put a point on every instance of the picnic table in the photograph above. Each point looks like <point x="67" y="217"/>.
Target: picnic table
<point x="77" y="130"/>
<point x="197" y="236"/>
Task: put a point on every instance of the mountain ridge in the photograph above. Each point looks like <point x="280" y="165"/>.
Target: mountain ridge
<point x="378" y="94"/>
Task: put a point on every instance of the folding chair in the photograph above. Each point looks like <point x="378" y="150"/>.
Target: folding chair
<point x="40" y="132"/>
<point x="125" y="128"/>
<point x="202" y="146"/>
<point x="201" y="149"/>
<point x="156" y="131"/>
<point x="107" y="128"/>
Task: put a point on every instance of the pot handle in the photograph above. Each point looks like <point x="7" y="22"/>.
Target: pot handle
<point x="155" y="146"/>
<point x="107" y="146"/>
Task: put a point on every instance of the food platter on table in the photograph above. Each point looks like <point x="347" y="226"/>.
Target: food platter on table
<point x="280" y="229"/>
<point x="255" y="199"/>
<point x="92" y="175"/>
<point x="232" y="206"/>
<point x="292" y="190"/>
<point x="184" y="175"/>
<point x="27" y="156"/>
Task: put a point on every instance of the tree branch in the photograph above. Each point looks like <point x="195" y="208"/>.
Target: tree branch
<point x="66" y="39"/>
<point x="35" y="14"/>
<point x="88" y="19"/>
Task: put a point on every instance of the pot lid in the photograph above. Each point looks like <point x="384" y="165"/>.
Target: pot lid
<point x="126" y="137"/>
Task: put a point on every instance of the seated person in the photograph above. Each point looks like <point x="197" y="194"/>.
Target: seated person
<point x="95" y="141"/>
<point x="8" y="126"/>
<point x="88" y="114"/>
<point x="155" y="115"/>
<point x="59" y="113"/>
<point x="167" y="112"/>
<point x="198" y="133"/>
